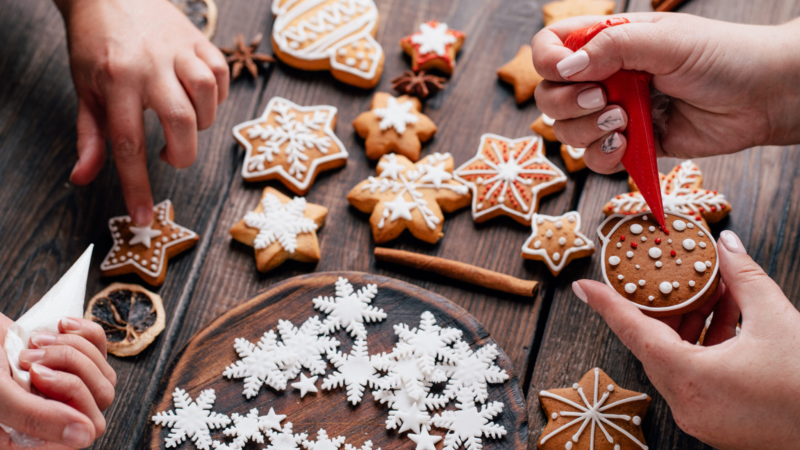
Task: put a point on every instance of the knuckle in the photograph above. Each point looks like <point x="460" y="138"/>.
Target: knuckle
<point x="105" y="396"/>
<point x="180" y="116"/>
<point x="35" y="422"/>
<point x="114" y="68"/>
<point x="99" y="425"/>
<point x="127" y="146"/>
<point x="204" y="82"/>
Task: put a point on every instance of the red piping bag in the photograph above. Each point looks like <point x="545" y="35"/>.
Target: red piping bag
<point x="631" y="90"/>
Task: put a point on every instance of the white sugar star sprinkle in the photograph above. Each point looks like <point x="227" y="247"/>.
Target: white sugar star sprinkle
<point x="306" y="385"/>
<point x="424" y="440"/>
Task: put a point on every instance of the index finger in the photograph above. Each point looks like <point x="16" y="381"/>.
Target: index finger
<point x="548" y="44"/>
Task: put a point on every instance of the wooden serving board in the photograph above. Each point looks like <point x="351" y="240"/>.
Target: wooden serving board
<point x="200" y="364"/>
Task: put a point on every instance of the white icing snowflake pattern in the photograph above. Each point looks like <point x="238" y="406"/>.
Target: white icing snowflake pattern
<point x="427" y="343"/>
<point x="433" y="39"/>
<point x="323" y="442"/>
<point x="259" y="364"/>
<point x="467" y="424"/>
<point x="280" y="222"/>
<point x="593" y="413"/>
<point x="192" y="419"/>
<point x="396" y="115"/>
<point x="250" y="427"/>
<point x="356" y="371"/>
<point x="473" y="370"/>
<point x="306" y="347"/>
<point x="349" y="309"/>
<point x="285" y="439"/>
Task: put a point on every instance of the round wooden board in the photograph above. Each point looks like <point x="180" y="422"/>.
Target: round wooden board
<point x="200" y="364"/>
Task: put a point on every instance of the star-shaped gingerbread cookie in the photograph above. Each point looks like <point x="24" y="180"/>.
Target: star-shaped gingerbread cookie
<point x="557" y="240"/>
<point x="394" y="125"/>
<point x="281" y="228"/>
<point x="564" y="9"/>
<point x="434" y="46"/>
<point x="407" y="195"/>
<point x="508" y="177"/>
<point x="573" y="157"/>
<point x="146" y="251"/>
<point x="595" y="413"/>
<point x="290" y="143"/>
<point x="520" y="73"/>
<point x="681" y="192"/>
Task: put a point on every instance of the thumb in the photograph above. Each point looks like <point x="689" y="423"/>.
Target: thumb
<point x="91" y="129"/>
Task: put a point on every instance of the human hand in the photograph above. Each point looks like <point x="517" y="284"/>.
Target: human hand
<point x="128" y="56"/>
<point x="71" y="372"/>
<point x="732" y="86"/>
<point x="735" y="392"/>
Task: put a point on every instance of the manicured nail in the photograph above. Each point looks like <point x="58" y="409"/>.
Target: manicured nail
<point x="43" y="372"/>
<point x="143" y="216"/>
<point x="611" y="143"/>
<point x="610" y="120"/>
<point x="31" y="356"/>
<point x="591" y="98"/>
<point x="70" y="324"/>
<point x="576" y="288"/>
<point x="72" y="174"/>
<point x="573" y="63"/>
<point x="43" y="339"/>
<point x="731" y="242"/>
<point x="76" y="435"/>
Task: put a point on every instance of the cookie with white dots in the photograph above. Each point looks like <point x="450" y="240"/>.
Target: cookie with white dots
<point x="664" y="272"/>
<point x="557" y="240"/>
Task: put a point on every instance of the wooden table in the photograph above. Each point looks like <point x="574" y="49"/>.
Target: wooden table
<point x="47" y="223"/>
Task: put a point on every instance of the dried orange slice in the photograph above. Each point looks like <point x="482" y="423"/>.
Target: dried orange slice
<point x="202" y="13"/>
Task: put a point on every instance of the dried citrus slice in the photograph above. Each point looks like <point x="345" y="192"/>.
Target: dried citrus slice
<point x="202" y="13"/>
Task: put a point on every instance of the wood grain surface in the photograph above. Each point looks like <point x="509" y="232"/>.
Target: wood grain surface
<point x="200" y="364"/>
<point x="551" y="340"/>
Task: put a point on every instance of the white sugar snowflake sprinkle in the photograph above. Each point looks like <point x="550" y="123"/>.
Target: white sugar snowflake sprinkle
<point x="259" y="364"/>
<point x="323" y="442"/>
<point x="356" y="371"/>
<point x="400" y="402"/>
<point x="350" y="309"/>
<point x="367" y="446"/>
<point x="280" y="222"/>
<point x="306" y="347"/>
<point x="467" y="424"/>
<point x="427" y="343"/>
<point x="472" y="370"/>
<point x="403" y="372"/>
<point x="193" y="419"/>
<point x="251" y="426"/>
<point x="285" y="439"/>
<point x="217" y="445"/>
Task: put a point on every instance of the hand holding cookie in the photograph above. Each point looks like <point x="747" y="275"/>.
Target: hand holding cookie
<point x="735" y="391"/>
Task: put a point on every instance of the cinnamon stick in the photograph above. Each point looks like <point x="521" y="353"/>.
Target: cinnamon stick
<point x="459" y="271"/>
<point x="666" y="5"/>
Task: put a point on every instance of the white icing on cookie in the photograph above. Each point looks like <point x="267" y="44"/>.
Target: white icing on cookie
<point x="700" y="267"/>
<point x="629" y="254"/>
<point x="689" y="244"/>
<point x="679" y="225"/>
<point x="630" y="288"/>
<point x="642" y="283"/>
<point x="636" y="229"/>
<point x="654" y="252"/>
<point x="620" y="277"/>
<point x="614" y="260"/>
<point x="665" y="287"/>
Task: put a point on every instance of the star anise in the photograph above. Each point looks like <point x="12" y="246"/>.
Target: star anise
<point x="418" y="84"/>
<point x="245" y="56"/>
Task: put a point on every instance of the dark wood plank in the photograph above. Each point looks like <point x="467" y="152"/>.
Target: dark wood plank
<point x="759" y="183"/>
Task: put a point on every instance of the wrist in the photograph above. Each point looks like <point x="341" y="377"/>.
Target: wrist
<point x="783" y="85"/>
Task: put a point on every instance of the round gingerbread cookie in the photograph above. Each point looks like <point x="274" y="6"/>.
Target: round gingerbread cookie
<point x="664" y="272"/>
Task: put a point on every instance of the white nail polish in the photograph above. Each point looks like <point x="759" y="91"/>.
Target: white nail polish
<point x="573" y="63"/>
<point x="591" y="99"/>
<point x="610" y="120"/>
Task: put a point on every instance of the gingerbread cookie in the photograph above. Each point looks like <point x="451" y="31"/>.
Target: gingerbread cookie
<point x="573" y="157"/>
<point x="508" y="177"/>
<point x="434" y="46"/>
<point x="557" y="240"/>
<point x="334" y="35"/>
<point x="291" y="143"/>
<point x="394" y="125"/>
<point x="664" y="272"/>
<point x="407" y="195"/>
<point x="681" y="192"/>
<point x="146" y="251"/>
<point x="520" y="73"/>
<point x="595" y="413"/>
<point x="281" y="228"/>
<point x="544" y="126"/>
<point x="564" y="9"/>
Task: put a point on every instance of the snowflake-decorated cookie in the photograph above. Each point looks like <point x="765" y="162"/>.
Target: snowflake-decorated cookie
<point x="520" y="73"/>
<point x="434" y="46"/>
<point x="564" y="9"/>
<point x="334" y="35"/>
<point x="349" y="309"/>
<point x="427" y="344"/>
<point x="306" y="346"/>
<point x="323" y="442"/>
<point x="394" y="125"/>
<point x="407" y="195"/>
<point x="557" y="240"/>
<point x="252" y="426"/>
<point x="509" y="177"/>
<point x="595" y="413"/>
<point x="467" y="424"/>
<point x="285" y="439"/>
<point x="356" y="371"/>
<point x="281" y="228"/>
<point x="290" y="143"/>
<point x="260" y="363"/>
<point x="146" y="250"/>
<point x="663" y="272"/>
<point x="681" y="192"/>
<point x="192" y="419"/>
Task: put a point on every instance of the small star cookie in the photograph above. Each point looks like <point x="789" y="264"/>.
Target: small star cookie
<point x="434" y="46"/>
<point x="290" y="143"/>
<point x="573" y="157"/>
<point x="595" y="413"/>
<point x="281" y="228"/>
<point x="544" y="126"/>
<point x="394" y="125"/>
<point x="407" y="195"/>
<point x="557" y="240"/>
<point x="564" y="9"/>
<point x="146" y="251"/>
<point x="520" y="73"/>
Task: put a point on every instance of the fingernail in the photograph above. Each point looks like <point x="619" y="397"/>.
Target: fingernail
<point x="610" y="120"/>
<point x="731" y="242"/>
<point x="31" y="356"/>
<point x="576" y="288"/>
<point x="70" y="324"/>
<point x="74" y="169"/>
<point x="591" y="98"/>
<point x="43" y="339"/>
<point x="43" y="372"/>
<point x="143" y="216"/>
<point x="611" y="143"/>
<point x="573" y="63"/>
<point x="76" y="435"/>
